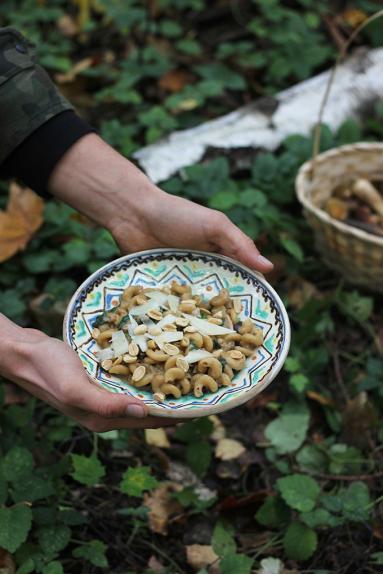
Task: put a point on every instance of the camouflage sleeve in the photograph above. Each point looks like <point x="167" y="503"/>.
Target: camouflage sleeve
<point x="28" y="98"/>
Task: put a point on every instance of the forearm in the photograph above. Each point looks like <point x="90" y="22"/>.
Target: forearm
<point x="100" y="183"/>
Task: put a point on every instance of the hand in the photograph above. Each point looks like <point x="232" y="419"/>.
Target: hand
<point x="98" y="181"/>
<point x="51" y="371"/>
<point x="171" y="221"/>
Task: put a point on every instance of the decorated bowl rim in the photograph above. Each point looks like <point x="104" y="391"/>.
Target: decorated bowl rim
<point x="203" y="410"/>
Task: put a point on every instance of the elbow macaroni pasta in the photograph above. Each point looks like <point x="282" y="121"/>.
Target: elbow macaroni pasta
<point x="162" y="367"/>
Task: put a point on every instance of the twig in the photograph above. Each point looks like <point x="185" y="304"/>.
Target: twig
<point x="338" y="372"/>
<point x="346" y="477"/>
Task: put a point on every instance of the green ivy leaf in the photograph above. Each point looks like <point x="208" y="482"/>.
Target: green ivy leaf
<point x="136" y="480"/>
<point x="93" y="552"/>
<point x="52" y="539"/>
<point x="299" y="541"/>
<point x="198" y="456"/>
<point x="288" y="431"/>
<point x="356" y="502"/>
<point x="311" y="458"/>
<point x="87" y="470"/>
<point x="32" y="488"/>
<point x="299" y="491"/>
<point x="15" y="524"/>
<point x="224" y="200"/>
<point x="26" y="567"/>
<point x="17" y="464"/>
<point x="273" y="512"/>
<point x="53" y="567"/>
<point x="223" y="540"/>
<point x="293" y="248"/>
<point x="317" y="517"/>
<point x="237" y="563"/>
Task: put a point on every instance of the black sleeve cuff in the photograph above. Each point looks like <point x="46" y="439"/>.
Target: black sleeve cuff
<point x="33" y="161"/>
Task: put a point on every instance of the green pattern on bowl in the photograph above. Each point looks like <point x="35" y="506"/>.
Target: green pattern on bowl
<point x="208" y="273"/>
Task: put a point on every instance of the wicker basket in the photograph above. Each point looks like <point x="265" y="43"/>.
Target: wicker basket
<point x="354" y="253"/>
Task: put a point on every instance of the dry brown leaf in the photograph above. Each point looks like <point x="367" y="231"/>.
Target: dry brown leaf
<point x="354" y="17"/>
<point x="19" y="222"/>
<point x="200" y="556"/>
<point x="229" y="449"/>
<point x="155" y="565"/>
<point x="162" y="506"/>
<point x="157" y="437"/>
<point x="67" y="26"/>
<point x="175" y="80"/>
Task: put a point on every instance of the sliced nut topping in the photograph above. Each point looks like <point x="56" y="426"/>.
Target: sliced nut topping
<point x="107" y="364"/>
<point x="182" y="322"/>
<point x="129" y="358"/>
<point x="140" y="330"/>
<point x="182" y="364"/>
<point x="190" y="329"/>
<point x="189" y="301"/>
<point x="170" y="328"/>
<point x="139" y="373"/>
<point x="117" y="361"/>
<point x="218" y="315"/>
<point x="159" y="397"/>
<point x="141" y="299"/>
<point x="155" y="331"/>
<point x="154" y="314"/>
<point x="237" y="305"/>
<point x="133" y="349"/>
<point x="236" y="354"/>
<point x="215" y="320"/>
<point x="95" y="333"/>
<point x="217" y="353"/>
<point x="170" y="349"/>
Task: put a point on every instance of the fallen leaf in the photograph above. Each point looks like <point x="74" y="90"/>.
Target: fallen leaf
<point x="219" y="430"/>
<point x="229" y="449"/>
<point x="354" y="17"/>
<point x="67" y="26"/>
<point x="7" y="565"/>
<point x="155" y="565"/>
<point x="200" y="556"/>
<point x="300" y="291"/>
<point x="19" y="222"/>
<point x="162" y="506"/>
<point x="175" y="80"/>
<point x="358" y="418"/>
<point x="157" y="437"/>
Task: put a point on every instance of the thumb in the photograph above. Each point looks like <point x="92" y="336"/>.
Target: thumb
<point x="236" y="244"/>
<point x="109" y="405"/>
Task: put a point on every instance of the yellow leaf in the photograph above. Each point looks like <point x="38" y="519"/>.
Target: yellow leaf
<point x="229" y="449"/>
<point x="19" y="222"/>
<point x="219" y="430"/>
<point x="157" y="437"/>
<point x="162" y="506"/>
<point x="200" y="556"/>
<point x="354" y="17"/>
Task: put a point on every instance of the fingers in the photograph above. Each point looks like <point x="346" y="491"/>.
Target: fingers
<point x="232" y="242"/>
<point x="105" y="404"/>
<point x="98" y="424"/>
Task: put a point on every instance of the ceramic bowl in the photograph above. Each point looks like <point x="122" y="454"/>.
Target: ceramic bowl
<point x="207" y="273"/>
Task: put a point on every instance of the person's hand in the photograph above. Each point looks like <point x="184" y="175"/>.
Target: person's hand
<point x="171" y="221"/>
<point x="106" y="187"/>
<point x="51" y="371"/>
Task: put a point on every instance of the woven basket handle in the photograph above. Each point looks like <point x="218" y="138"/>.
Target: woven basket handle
<point x="341" y="55"/>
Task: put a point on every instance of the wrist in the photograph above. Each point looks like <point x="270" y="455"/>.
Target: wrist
<point x="100" y="183"/>
<point x="11" y="345"/>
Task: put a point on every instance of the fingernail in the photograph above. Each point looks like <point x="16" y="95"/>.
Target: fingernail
<point x="135" y="411"/>
<point x="263" y="261"/>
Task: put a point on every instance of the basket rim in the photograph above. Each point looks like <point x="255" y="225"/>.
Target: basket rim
<point x="303" y="176"/>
